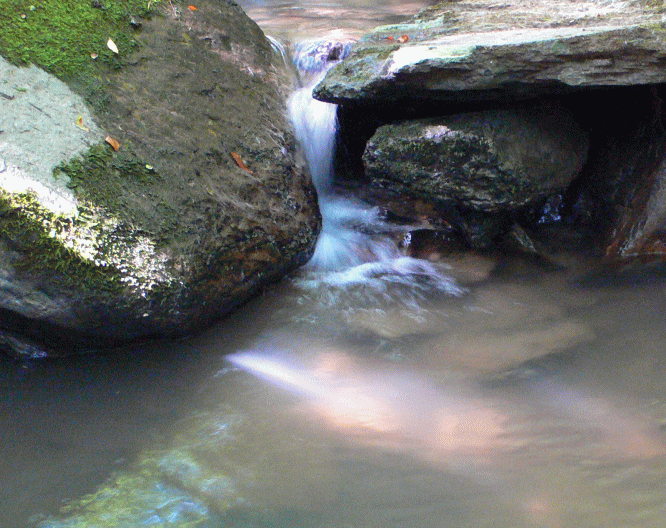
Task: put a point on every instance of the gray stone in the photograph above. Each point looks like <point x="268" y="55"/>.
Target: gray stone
<point x="475" y="51"/>
<point x="490" y="161"/>
<point x="202" y="204"/>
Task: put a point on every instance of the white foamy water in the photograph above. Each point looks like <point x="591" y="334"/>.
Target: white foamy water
<point x="356" y="247"/>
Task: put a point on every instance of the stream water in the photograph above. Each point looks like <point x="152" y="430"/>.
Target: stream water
<point x="373" y="389"/>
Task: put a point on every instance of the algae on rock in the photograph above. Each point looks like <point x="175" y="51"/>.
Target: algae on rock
<point x="173" y="232"/>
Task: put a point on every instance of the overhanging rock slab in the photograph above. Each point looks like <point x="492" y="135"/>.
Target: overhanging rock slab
<point x="439" y="57"/>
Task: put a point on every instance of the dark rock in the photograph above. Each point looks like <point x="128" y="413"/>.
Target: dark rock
<point x="479" y="169"/>
<point x="641" y="230"/>
<point x="617" y="195"/>
<point x="484" y="161"/>
<point x="430" y="244"/>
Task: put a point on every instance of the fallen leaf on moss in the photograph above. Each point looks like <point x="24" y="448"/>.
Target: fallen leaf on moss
<point x="79" y="123"/>
<point x="112" y="46"/>
<point x="239" y="161"/>
<point x="192" y="8"/>
<point x="114" y="143"/>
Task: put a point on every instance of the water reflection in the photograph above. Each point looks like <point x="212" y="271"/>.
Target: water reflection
<point x="402" y="409"/>
<point x="294" y="20"/>
<point x="530" y="450"/>
<point x="359" y="435"/>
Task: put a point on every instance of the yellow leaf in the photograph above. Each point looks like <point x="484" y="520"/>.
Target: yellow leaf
<point x="79" y="123"/>
<point x="112" y="46"/>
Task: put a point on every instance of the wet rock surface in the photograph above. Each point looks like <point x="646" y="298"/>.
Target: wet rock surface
<point x="486" y="161"/>
<point x="600" y="63"/>
<point x="202" y="203"/>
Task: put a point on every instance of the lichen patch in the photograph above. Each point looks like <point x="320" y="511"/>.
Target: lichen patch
<point x="43" y="124"/>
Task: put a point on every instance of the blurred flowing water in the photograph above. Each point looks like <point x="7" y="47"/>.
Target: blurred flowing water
<point x="373" y="389"/>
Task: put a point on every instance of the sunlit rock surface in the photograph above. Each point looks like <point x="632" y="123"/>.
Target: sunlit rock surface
<point x="489" y="161"/>
<point x="482" y="51"/>
<point x="202" y="204"/>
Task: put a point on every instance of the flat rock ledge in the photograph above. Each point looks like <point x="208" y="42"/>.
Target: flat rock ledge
<point x="478" y="52"/>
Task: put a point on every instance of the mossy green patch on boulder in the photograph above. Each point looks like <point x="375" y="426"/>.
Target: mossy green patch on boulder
<point x="69" y="39"/>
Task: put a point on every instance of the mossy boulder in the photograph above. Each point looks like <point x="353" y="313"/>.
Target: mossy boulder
<point x="146" y="190"/>
<point x="485" y="165"/>
<point x="491" y="161"/>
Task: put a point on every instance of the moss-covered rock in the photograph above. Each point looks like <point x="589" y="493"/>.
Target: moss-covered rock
<point x="155" y="188"/>
<point x="495" y="160"/>
<point x="480" y="166"/>
<point x="209" y="469"/>
<point x="457" y="51"/>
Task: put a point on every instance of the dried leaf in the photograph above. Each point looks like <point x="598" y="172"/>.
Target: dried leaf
<point x="114" y="143"/>
<point x="112" y="46"/>
<point x="239" y="161"/>
<point x="192" y="8"/>
<point x="403" y="39"/>
<point x="79" y="123"/>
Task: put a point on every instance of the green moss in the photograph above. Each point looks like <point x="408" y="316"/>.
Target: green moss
<point x="133" y="499"/>
<point x="101" y="175"/>
<point x="60" y="36"/>
<point x="32" y="232"/>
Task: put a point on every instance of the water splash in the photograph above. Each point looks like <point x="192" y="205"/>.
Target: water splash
<point x="356" y="246"/>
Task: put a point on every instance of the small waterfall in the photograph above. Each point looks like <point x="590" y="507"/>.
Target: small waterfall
<point x="356" y="246"/>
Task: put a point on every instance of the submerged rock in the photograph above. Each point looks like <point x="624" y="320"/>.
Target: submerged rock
<point x="495" y="160"/>
<point x="222" y="460"/>
<point x="154" y="192"/>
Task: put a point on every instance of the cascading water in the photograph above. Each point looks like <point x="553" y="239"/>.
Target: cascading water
<point x="355" y="246"/>
<point x="357" y="264"/>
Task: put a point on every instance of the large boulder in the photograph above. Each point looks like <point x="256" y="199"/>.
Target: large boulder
<point x="157" y="188"/>
<point x="495" y="160"/>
